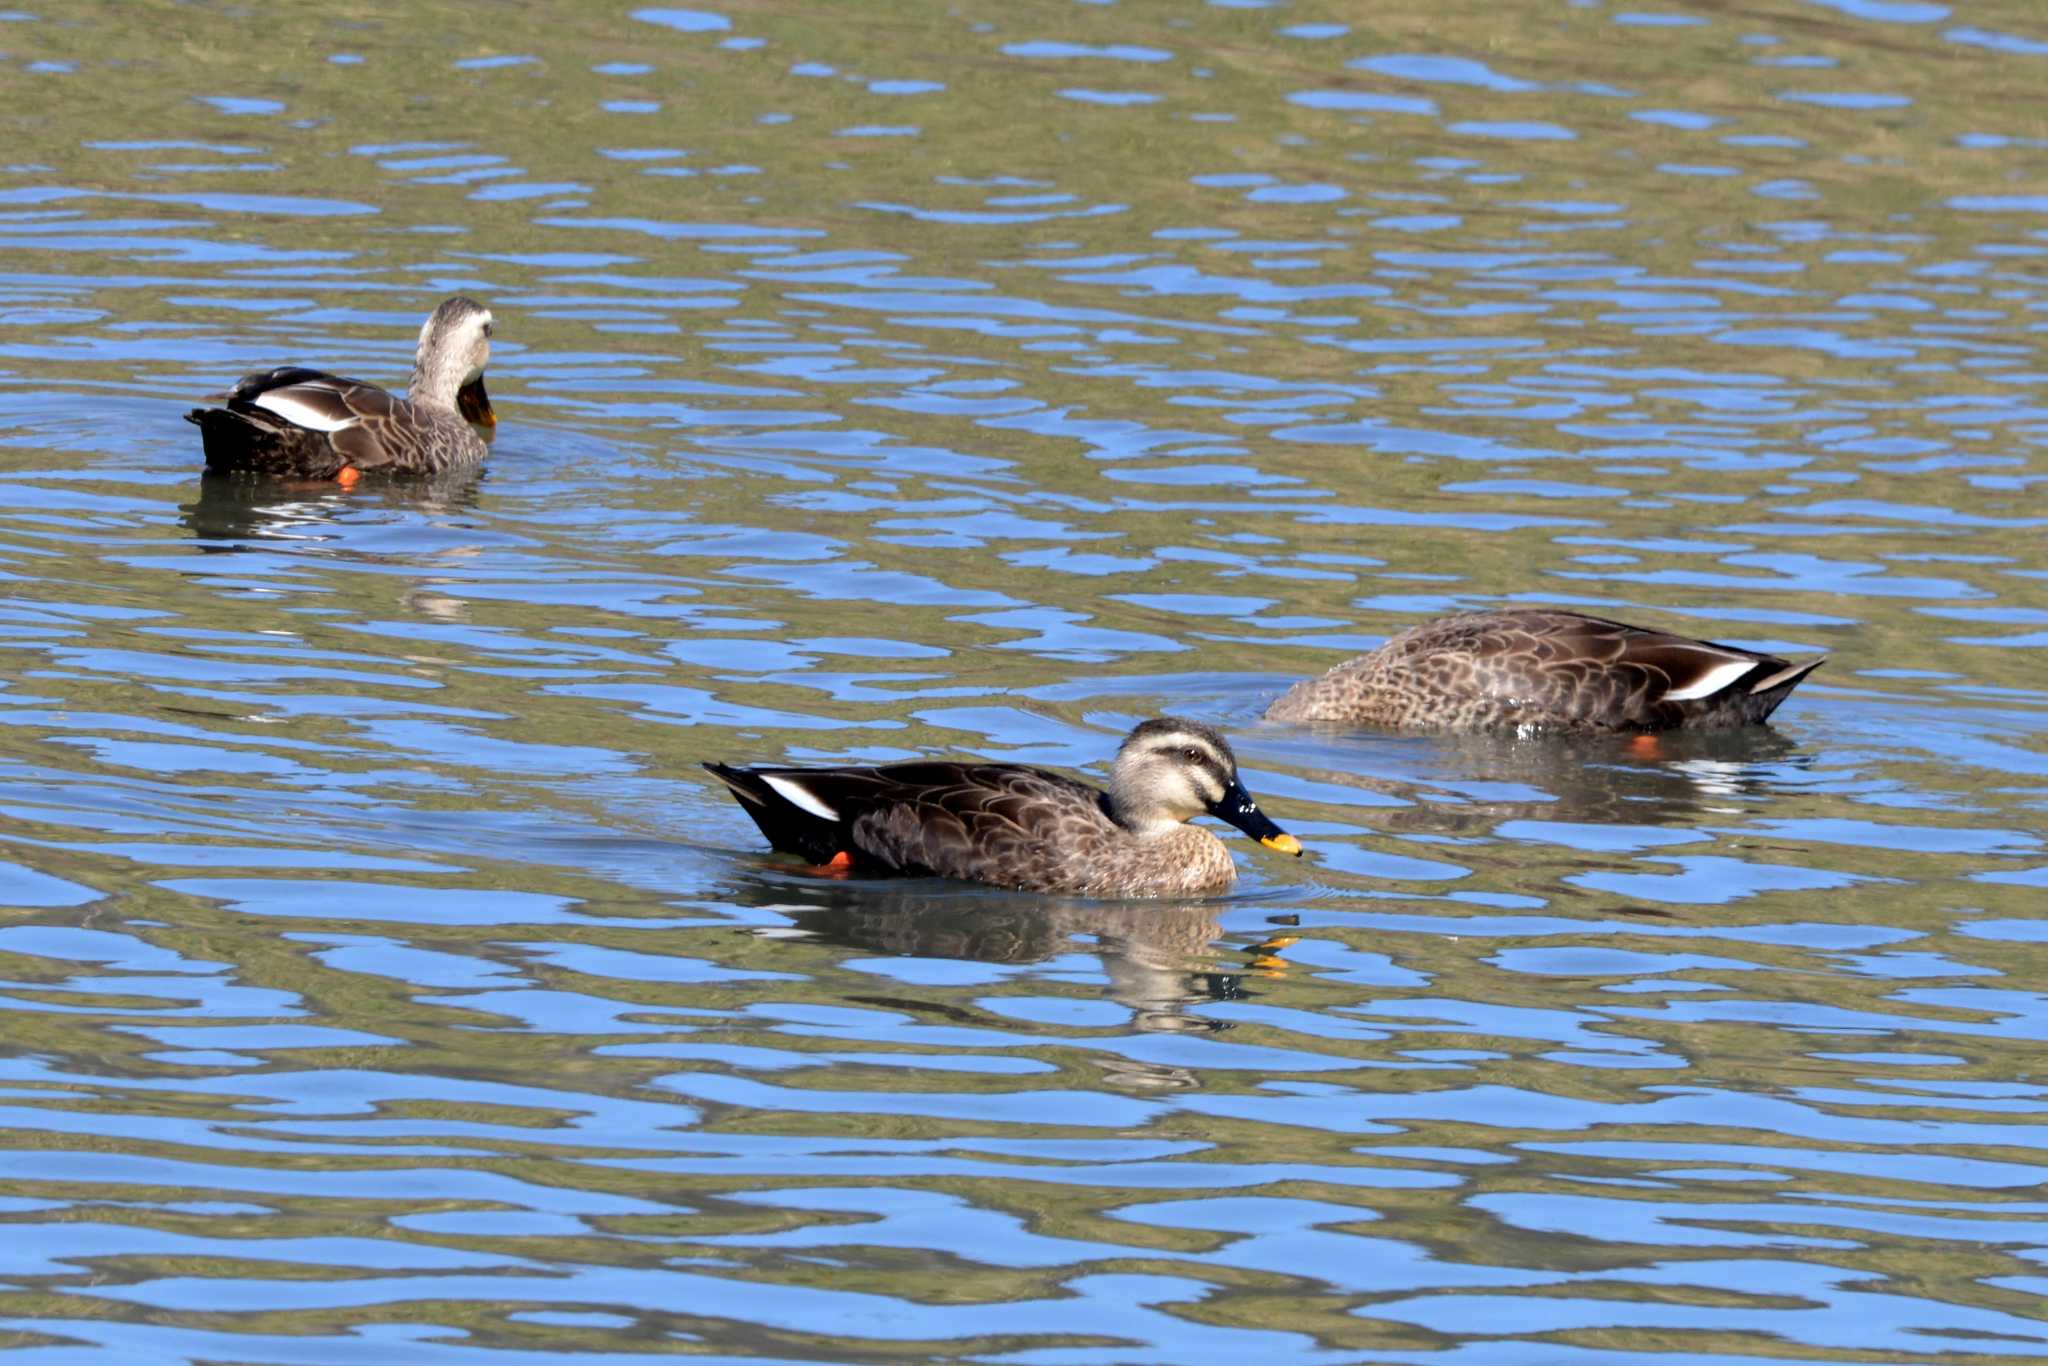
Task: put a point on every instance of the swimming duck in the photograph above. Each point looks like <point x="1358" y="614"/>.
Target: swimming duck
<point x="1022" y="828"/>
<point x="1545" y="670"/>
<point x="308" y="424"/>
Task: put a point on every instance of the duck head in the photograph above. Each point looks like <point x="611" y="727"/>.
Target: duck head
<point x="1169" y="771"/>
<point x="448" y="366"/>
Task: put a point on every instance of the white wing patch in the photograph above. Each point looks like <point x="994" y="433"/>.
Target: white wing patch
<point x="1787" y="675"/>
<point x="800" y="797"/>
<point x="1712" y="681"/>
<point x="300" y="413"/>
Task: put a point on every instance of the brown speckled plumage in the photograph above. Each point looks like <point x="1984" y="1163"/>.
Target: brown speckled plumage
<point x="1022" y="828"/>
<point x="308" y="424"/>
<point x="1544" y="670"/>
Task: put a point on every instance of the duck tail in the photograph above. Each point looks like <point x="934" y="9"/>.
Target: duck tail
<point x="234" y="440"/>
<point x="795" y="820"/>
<point x="1767" y="692"/>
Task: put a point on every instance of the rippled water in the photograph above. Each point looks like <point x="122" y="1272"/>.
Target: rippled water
<point x="386" y="982"/>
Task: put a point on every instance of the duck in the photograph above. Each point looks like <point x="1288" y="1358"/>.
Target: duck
<point x="1543" y="670"/>
<point x="308" y="424"/>
<point x="1021" y="828"/>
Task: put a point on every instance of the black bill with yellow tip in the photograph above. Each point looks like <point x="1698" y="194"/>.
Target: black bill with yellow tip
<point x="1237" y="807"/>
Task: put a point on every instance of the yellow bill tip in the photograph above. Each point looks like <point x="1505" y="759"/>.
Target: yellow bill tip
<point x="1286" y="844"/>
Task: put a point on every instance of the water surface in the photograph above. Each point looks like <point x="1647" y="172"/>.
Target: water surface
<point x="386" y="982"/>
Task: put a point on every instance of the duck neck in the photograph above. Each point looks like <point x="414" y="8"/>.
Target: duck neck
<point x="1148" y="825"/>
<point x="434" y="382"/>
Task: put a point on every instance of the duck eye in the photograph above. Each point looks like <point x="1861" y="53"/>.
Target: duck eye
<point x="487" y="329"/>
<point x="1192" y="755"/>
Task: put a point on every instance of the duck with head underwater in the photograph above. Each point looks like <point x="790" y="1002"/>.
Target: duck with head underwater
<point x="297" y="423"/>
<point x="1528" y="670"/>
<point x="1027" y="829"/>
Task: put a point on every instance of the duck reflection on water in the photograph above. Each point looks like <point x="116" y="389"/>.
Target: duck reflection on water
<point x="235" y="508"/>
<point x="1468" y="784"/>
<point x="1163" y="959"/>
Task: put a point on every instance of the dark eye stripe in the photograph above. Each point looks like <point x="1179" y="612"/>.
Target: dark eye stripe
<point x="1206" y="759"/>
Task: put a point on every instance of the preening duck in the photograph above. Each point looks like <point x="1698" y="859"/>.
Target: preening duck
<point x="1018" y="827"/>
<point x="1544" y="670"/>
<point x="308" y="424"/>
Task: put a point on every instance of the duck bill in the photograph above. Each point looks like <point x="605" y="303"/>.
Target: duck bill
<point x="1237" y="807"/>
<point x="475" y="405"/>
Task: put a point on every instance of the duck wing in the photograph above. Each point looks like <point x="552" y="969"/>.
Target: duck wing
<point x="355" y="417"/>
<point x="982" y="822"/>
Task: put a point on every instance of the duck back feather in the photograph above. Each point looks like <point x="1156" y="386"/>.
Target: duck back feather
<point x="927" y="819"/>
